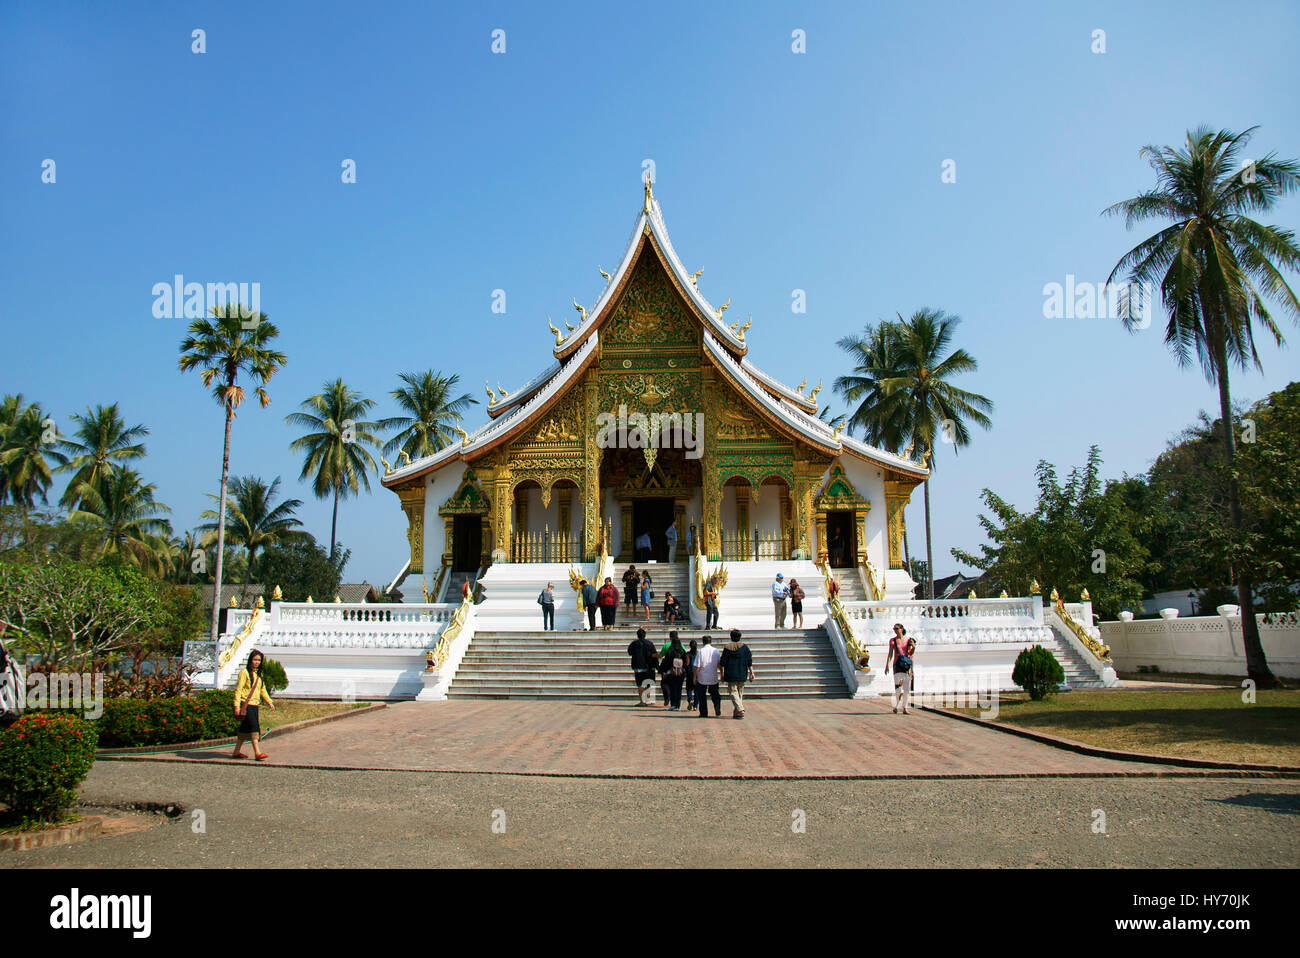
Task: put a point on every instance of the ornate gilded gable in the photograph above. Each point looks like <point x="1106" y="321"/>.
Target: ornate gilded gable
<point x="468" y="499"/>
<point x="839" y="493"/>
<point x="650" y="314"/>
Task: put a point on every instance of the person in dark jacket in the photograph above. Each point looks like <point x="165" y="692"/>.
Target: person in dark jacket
<point x="643" y="655"/>
<point x="591" y="602"/>
<point x="547" y="601"/>
<point x="672" y="609"/>
<point x="737" y="667"/>
<point x="690" y="675"/>
<point x="672" y="666"/>
<point x="631" y="588"/>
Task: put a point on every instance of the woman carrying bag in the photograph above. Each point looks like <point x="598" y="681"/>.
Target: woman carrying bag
<point x="250" y="693"/>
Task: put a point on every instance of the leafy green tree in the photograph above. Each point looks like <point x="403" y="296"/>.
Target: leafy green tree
<point x="100" y="442"/>
<point x="254" y="519"/>
<point x="1216" y="267"/>
<point x="1080" y="535"/>
<point x="122" y="507"/>
<point x="230" y="345"/>
<point x="301" y="568"/>
<point x="73" y="613"/>
<point x="432" y="412"/>
<point x="337" y="460"/>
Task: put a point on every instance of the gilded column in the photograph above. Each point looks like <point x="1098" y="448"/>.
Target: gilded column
<point x="501" y="514"/>
<point x="897" y="495"/>
<point x="591" y="494"/>
<point x="412" y="499"/>
<point x="823" y="554"/>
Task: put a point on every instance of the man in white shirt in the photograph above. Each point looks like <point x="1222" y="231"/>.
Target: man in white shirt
<point x="643" y="547"/>
<point x="779" y="592"/>
<point x="706" y="678"/>
<point x="671" y="535"/>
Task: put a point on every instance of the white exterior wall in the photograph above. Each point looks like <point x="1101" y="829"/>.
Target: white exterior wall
<point x="869" y="480"/>
<point x="438" y="488"/>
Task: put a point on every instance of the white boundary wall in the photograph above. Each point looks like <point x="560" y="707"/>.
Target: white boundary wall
<point x="1209" y="644"/>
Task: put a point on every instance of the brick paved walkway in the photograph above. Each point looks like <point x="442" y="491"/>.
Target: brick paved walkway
<point x="807" y="738"/>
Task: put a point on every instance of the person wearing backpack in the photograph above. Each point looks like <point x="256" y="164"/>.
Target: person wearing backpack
<point x="547" y="601"/>
<point x="642" y="653"/>
<point x="690" y="675"/>
<point x="796" y="604"/>
<point x="672" y="667"/>
<point x="901" y="649"/>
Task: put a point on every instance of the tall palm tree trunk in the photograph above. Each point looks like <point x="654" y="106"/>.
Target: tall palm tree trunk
<point x="221" y="521"/>
<point x="929" y="556"/>
<point x="1256" y="663"/>
<point x="334" y="522"/>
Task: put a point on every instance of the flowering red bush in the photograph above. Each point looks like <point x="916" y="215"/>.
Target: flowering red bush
<point x="43" y="758"/>
<point x="135" y="722"/>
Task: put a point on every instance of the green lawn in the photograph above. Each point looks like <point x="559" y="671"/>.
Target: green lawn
<point x="288" y="711"/>
<point x="1185" y="723"/>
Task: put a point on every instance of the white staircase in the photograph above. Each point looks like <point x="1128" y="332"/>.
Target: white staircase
<point x="595" y="665"/>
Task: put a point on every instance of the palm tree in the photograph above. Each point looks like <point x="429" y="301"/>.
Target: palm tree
<point x="337" y="460"/>
<point x="222" y="349"/>
<point x="100" y="441"/>
<point x="904" y="381"/>
<point x="1215" y="266"/>
<point x="122" y="508"/>
<point x="873" y="362"/>
<point x="28" y="443"/>
<point x="427" y="397"/>
<point x="253" y="519"/>
<point x="873" y="355"/>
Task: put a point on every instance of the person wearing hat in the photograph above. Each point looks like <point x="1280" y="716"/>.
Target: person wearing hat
<point x="779" y="593"/>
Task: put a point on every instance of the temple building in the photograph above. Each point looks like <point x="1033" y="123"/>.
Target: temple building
<point x="651" y="415"/>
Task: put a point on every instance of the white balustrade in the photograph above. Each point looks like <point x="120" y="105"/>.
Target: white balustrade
<point x="355" y="625"/>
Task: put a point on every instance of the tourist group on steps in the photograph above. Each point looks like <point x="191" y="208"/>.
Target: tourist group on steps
<point x="696" y="669"/>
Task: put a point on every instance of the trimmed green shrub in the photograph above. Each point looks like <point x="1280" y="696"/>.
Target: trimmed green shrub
<point x="274" y="677"/>
<point x="1037" y="672"/>
<point x="128" y="723"/>
<point x="43" y="758"/>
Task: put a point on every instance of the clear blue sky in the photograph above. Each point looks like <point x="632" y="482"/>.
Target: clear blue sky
<point x="477" y="171"/>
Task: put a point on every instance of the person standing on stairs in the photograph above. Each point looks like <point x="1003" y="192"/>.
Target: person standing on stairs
<point x="671" y="535"/>
<point x="590" y="600"/>
<point x="711" y="604"/>
<point x="796" y="604"/>
<point x="608" y="601"/>
<point x="673" y="668"/>
<point x="779" y="592"/>
<point x="631" y="589"/>
<point x="547" y="601"/>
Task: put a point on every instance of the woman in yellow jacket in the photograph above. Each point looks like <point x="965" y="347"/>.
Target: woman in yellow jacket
<point x="249" y="694"/>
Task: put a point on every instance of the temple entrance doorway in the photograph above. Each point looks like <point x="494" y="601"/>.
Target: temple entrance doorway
<point x="841" y="540"/>
<point x="466" y="543"/>
<point x="654" y="516"/>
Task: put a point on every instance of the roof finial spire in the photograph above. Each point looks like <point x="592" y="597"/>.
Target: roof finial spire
<point x="649" y="192"/>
